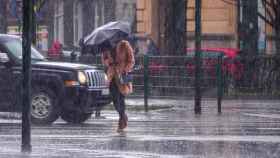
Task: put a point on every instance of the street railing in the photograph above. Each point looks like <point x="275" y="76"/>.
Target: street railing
<point x="259" y="78"/>
<point x="174" y="76"/>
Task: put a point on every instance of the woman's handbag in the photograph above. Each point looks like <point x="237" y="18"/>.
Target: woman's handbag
<point x="124" y="82"/>
<point x="125" y="78"/>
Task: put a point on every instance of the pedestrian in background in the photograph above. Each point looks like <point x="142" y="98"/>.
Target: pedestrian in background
<point x="55" y="51"/>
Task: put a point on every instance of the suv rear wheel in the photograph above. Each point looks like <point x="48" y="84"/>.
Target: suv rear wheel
<point x="44" y="109"/>
<point x="75" y="117"/>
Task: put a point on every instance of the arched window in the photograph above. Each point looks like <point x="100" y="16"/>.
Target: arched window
<point x="77" y="21"/>
<point x="58" y="21"/>
<point x="99" y="13"/>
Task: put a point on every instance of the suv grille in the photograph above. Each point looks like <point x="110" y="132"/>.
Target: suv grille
<point x="96" y="79"/>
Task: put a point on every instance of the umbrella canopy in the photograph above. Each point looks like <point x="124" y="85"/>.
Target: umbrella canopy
<point x="107" y="32"/>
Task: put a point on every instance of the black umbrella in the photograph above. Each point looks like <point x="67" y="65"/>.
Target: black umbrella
<point x="111" y="31"/>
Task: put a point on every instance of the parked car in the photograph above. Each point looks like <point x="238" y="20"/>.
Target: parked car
<point x="71" y="54"/>
<point x="72" y="91"/>
<point x="230" y="65"/>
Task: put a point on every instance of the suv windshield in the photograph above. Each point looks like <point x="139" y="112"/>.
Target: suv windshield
<point x="15" y="47"/>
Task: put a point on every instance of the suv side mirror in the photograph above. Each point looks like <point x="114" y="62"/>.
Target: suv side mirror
<point x="4" y="58"/>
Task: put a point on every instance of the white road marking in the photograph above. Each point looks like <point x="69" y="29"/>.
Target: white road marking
<point x="200" y="138"/>
<point x="216" y="138"/>
<point x="276" y="116"/>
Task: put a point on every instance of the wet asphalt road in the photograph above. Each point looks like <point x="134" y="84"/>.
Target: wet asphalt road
<point x="244" y="130"/>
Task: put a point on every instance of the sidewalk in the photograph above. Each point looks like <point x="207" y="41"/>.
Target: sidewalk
<point x="246" y="128"/>
<point x="137" y="103"/>
<point x="205" y="103"/>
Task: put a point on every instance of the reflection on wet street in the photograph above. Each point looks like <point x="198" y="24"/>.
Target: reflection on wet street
<point x="242" y="130"/>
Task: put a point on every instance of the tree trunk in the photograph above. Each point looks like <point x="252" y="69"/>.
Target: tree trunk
<point x="250" y="25"/>
<point x="34" y="26"/>
<point x="3" y="19"/>
<point x="249" y="31"/>
<point x="277" y="41"/>
<point x="277" y="30"/>
<point x="175" y="27"/>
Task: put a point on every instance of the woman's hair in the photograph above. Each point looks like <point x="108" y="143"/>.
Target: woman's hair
<point x="124" y="45"/>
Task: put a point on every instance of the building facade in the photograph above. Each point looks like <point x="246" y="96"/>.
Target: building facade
<point x="11" y="21"/>
<point x="219" y="23"/>
<point x="74" y="19"/>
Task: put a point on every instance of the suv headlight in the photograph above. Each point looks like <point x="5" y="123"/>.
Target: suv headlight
<point x="107" y="82"/>
<point x="106" y="77"/>
<point x="82" y="78"/>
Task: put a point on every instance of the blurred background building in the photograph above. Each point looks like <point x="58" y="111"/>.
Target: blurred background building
<point x="219" y="23"/>
<point x="67" y="21"/>
<point x="11" y="20"/>
<point x="74" y="19"/>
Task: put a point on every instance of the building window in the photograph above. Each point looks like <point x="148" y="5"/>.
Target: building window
<point x="126" y="11"/>
<point x="78" y="21"/>
<point x="58" y="21"/>
<point x="99" y="14"/>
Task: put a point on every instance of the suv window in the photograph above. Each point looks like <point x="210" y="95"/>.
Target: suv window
<point x="15" y="47"/>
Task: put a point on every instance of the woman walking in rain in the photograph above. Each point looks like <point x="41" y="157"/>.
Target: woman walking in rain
<point x="119" y="61"/>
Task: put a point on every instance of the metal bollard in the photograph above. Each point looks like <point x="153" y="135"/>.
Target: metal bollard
<point x="219" y="83"/>
<point x="146" y="81"/>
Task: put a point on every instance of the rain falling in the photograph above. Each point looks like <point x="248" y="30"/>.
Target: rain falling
<point x="139" y="78"/>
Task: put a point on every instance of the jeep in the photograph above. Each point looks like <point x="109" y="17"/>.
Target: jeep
<point x="71" y="91"/>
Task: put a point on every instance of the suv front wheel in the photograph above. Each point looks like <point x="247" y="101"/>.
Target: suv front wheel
<point x="44" y="109"/>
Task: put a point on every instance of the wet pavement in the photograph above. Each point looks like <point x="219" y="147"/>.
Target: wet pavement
<point x="245" y="129"/>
